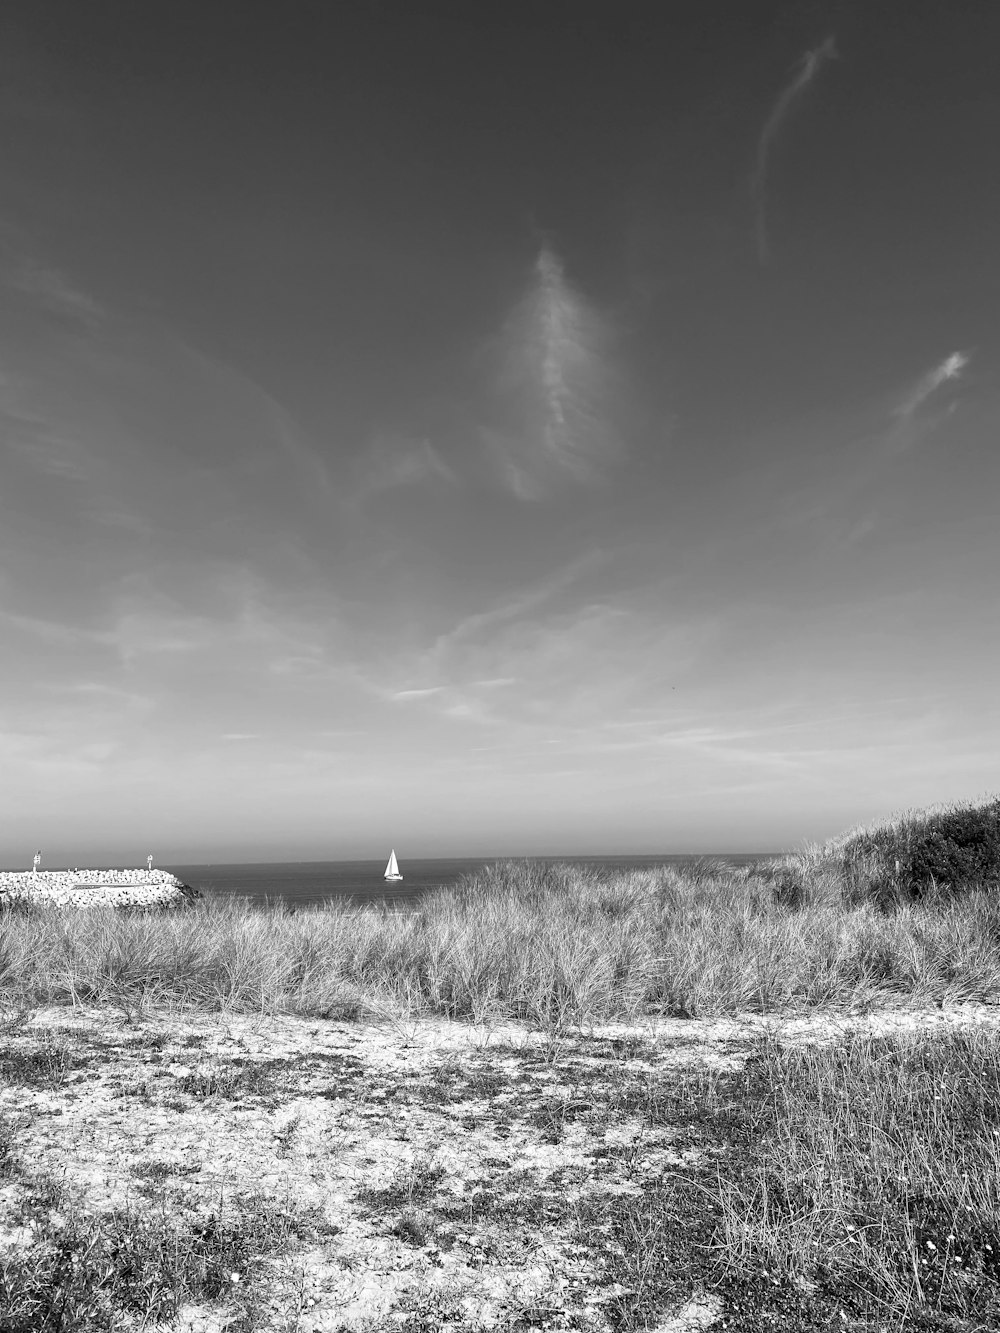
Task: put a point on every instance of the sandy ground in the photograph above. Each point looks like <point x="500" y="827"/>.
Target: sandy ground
<point x="321" y="1116"/>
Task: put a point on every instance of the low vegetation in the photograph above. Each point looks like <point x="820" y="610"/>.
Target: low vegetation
<point x="132" y="1267"/>
<point x="930" y="856"/>
<point x="850" y="1184"/>
<point x="905" y="910"/>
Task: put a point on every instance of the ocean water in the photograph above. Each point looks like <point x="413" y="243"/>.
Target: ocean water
<point x="310" y="883"/>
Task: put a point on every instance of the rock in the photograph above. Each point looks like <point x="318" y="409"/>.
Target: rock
<point x="139" y="889"/>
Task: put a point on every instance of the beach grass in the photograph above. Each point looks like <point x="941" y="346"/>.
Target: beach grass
<point x="546" y="944"/>
<point x="855" y="1179"/>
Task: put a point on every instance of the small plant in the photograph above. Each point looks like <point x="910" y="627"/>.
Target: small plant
<point x="550" y="1119"/>
<point x="414" y="1228"/>
<point x="43" y="1066"/>
<point x="8" y="1162"/>
<point x="487" y="1083"/>
<point x="413" y="1185"/>
<point x="154" y="1169"/>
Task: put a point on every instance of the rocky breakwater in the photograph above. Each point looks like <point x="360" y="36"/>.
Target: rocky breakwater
<point x="151" y="889"/>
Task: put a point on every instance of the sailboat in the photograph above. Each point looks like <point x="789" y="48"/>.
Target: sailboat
<point x="392" y="869"/>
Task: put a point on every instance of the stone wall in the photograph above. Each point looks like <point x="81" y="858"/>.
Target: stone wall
<point x="94" y="888"/>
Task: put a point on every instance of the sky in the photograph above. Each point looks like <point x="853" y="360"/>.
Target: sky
<point x="494" y="429"/>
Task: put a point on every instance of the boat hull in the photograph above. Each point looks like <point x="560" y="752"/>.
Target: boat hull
<point x="392" y="879"/>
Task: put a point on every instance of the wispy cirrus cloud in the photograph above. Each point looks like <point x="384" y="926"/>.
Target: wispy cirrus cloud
<point x="544" y="667"/>
<point x="807" y="68"/>
<point x="394" y="461"/>
<point x="949" y="369"/>
<point x="906" y="413"/>
<point x="35" y="434"/>
<point x="426" y="692"/>
<point x="50" y="288"/>
<point x="843" y="491"/>
<point x="553" y="386"/>
<point x="276" y="423"/>
<point x="53" y="631"/>
<point x="472" y="628"/>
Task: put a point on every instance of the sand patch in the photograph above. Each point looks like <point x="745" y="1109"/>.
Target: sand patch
<point x="438" y="1166"/>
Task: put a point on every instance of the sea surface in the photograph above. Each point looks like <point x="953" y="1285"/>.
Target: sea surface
<point x="310" y="883"/>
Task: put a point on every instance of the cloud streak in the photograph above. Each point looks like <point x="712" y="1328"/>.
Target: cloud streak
<point x="949" y="369"/>
<point x="906" y="412"/>
<point x="48" y="288"/>
<point x="807" y="69"/>
<point x="553" y="383"/>
<point x="472" y="628"/>
<point x="35" y="433"/>
<point x="397" y="461"/>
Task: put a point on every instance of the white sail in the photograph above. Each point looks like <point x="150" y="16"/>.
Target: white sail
<point x="392" y="869"/>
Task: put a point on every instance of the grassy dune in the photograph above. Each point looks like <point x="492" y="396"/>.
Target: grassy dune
<point x="550" y="945"/>
<point x="853" y="1184"/>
